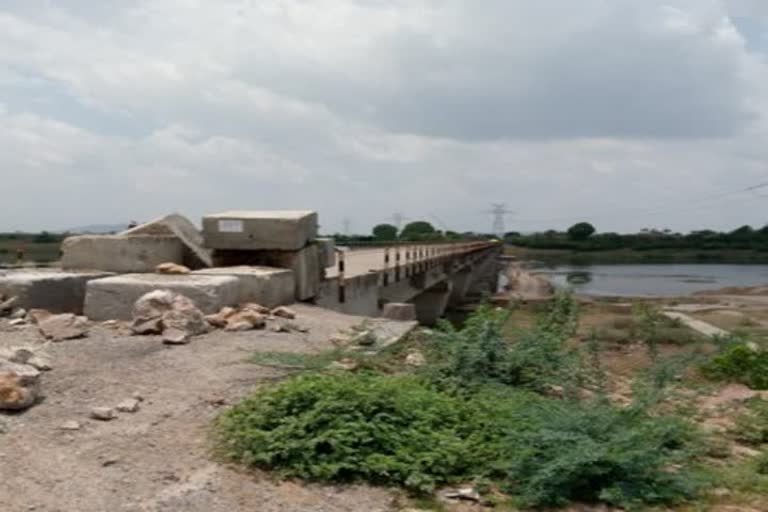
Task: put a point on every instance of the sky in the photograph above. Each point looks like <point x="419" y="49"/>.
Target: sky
<point x="629" y="114"/>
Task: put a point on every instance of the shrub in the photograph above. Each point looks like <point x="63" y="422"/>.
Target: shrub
<point x="342" y="427"/>
<point x="752" y="426"/>
<point x="479" y="354"/>
<point x="623" y="457"/>
<point x="740" y="362"/>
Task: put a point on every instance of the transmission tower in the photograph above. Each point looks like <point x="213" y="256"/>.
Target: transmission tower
<point x="499" y="211"/>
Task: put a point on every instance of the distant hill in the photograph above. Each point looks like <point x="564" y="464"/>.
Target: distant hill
<point x="97" y="229"/>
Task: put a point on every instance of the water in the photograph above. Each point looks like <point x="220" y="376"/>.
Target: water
<point x="653" y="279"/>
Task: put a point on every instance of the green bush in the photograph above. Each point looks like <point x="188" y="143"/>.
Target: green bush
<point x="740" y="362"/>
<point x="342" y="427"/>
<point x="598" y="452"/>
<point x="752" y="426"/>
<point x="479" y="354"/>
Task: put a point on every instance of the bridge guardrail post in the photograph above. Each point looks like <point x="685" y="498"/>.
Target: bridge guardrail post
<point x="342" y="269"/>
<point x="397" y="264"/>
<point x="385" y="278"/>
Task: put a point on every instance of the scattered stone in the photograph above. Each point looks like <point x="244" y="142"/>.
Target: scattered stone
<point x="18" y="355"/>
<point x="40" y="362"/>
<point x="111" y="324"/>
<point x="238" y="326"/>
<point x="174" y="316"/>
<point x="128" y="405"/>
<point x="220" y="319"/>
<point x="245" y="320"/>
<point x="17" y="322"/>
<point x="137" y="396"/>
<point x="258" y="308"/>
<point x="171" y="268"/>
<point x="103" y="413"/>
<point x="415" y="358"/>
<point x="7" y="305"/>
<point x="345" y="364"/>
<point x="364" y="338"/>
<point x="38" y="315"/>
<point x="279" y="327"/>
<point x="284" y="312"/>
<point x="19" y="386"/>
<point x="18" y="313"/>
<point x="554" y="391"/>
<point x="462" y="494"/>
<point x="65" y="326"/>
<point x="70" y="425"/>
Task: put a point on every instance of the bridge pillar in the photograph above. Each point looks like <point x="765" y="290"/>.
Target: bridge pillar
<point x="485" y="276"/>
<point x="461" y="281"/>
<point x="432" y="303"/>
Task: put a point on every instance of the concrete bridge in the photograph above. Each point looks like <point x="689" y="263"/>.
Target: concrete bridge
<point x="272" y="258"/>
<point x="431" y="276"/>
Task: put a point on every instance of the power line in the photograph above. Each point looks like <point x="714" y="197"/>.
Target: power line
<point x="659" y="209"/>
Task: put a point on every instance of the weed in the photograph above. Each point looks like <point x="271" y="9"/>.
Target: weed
<point x="739" y="361"/>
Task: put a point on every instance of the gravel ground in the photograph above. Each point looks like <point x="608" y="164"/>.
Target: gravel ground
<point x="157" y="459"/>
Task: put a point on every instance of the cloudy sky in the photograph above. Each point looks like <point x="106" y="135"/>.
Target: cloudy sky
<point x="627" y="113"/>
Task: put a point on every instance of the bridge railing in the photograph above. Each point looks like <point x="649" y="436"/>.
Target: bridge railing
<point x="403" y="260"/>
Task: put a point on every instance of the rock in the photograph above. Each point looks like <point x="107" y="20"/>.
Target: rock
<point x="137" y="396"/>
<point x="245" y="320"/>
<point x="220" y="319"/>
<point x="103" y="413"/>
<point x="364" y="338"/>
<point x="258" y="308"/>
<point x="415" y="358"/>
<point x="18" y="313"/>
<point x="171" y="268"/>
<point x="174" y="316"/>
<point x="111" y="324"/>
<point x="40" y="362"/>
<point x="284" y="312"/>
<point x="279" y="327"/>
<point x="128" y="405"/>
<point x="17" y="322"/>
<point x="462" y="494"/>
<point x="19" y="386"/>
<point x="345" y="364"/>
<point x="144" y="326"/>
<point x="70" y="425"/>
<point x="7" y="305"/>
<point x="65" y="326"/>
<point x="175" y="336"/>
<point x="38" y="315"/>
<point x="18" y="355"/>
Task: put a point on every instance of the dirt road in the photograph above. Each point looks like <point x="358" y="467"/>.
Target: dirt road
<point x="156" y="459"/>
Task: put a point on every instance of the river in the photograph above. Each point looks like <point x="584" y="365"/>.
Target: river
<point x="653" y="279"/>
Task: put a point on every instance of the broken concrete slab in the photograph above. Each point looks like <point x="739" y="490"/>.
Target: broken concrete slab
<point x="50" y="289"/>
<point x="268" y="286"/>
<point x="260" y="230"/>
<point x="179" y="226"/>
<point x="113" y="253"/>
<point x="304" y="263"/>
<point x="113" y="298"/>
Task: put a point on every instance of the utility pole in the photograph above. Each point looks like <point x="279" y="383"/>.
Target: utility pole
<point x="499" y="211"/>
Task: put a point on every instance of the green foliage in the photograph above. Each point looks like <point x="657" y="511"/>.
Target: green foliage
<point x="296" y="360"/>
<point x="480" y="354"/>
<point x="385" y="232"/>
<point x="752" y="426"/>
<point x="419" y="230"/>
<point x="581" y="231"/>
<point x="342" y="427"/>
<point x="742" y="362"/>
<point x="598" y="452"/>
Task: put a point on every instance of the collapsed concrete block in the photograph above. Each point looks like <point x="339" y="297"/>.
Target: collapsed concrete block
<point x="114" y="253"/>
<point x="50" y="289"/>
<point x="267" y="286"/>
<point x="196" y="255"/>
<point x="327" y="249"/>
<point x="260" y="230"/>
<point x="304" y="263"/>
<point x="112" y="298"/>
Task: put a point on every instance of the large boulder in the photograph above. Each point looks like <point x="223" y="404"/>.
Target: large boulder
<point x="173" y="315"/>
<point x="19" y="386"/>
